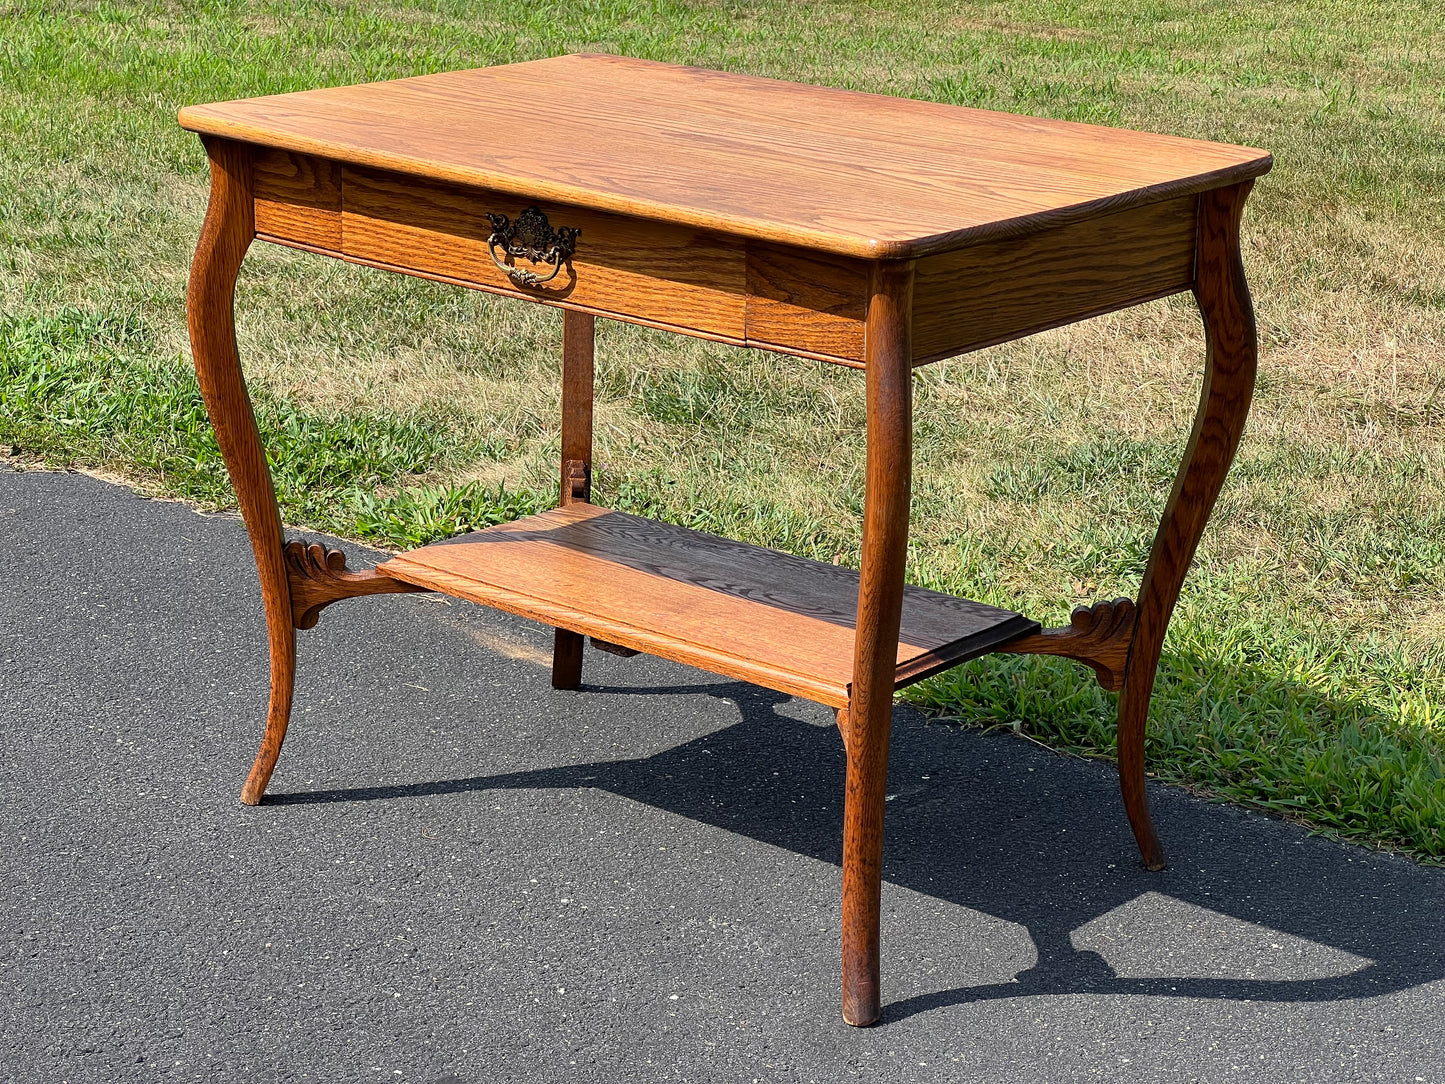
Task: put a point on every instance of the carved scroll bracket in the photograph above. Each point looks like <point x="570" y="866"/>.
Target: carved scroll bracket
<point x="1098" y="635"/>
<point x="318" y="577"/>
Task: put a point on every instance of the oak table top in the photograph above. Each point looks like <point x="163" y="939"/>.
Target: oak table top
<point x="867" y="231"/>
<point x="832" y="170"/>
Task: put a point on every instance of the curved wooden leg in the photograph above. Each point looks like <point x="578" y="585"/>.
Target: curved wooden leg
<point x="869" y="716"/>
<point x="1224" y="303"/>
<point x="225" y="237"/>
<point x="578" y="339"/>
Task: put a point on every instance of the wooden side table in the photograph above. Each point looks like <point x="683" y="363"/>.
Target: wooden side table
<point x="874" y="232"/>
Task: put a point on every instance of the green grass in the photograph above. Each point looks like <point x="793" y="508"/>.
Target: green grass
<point x="79" y="387"/>
<point x="1303" y="671"/>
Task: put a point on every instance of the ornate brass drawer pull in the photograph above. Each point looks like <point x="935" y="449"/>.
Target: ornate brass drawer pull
<point x="531" y="238"/>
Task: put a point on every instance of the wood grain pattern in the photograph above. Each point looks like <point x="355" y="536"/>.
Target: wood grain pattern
<point x="780" y="621"/>
<point x="837" y="171"/>
<point x="1001" y="290"/>
<point x="1230" y="365"/>
<point x="880" y="603"/>
<point x="669" y="275"/>
<point x="317" y="576"/>
<point x="1098" y="636"/>
<point x="579" y="338"/>
<point x="298" y="197"/>
<point x="806" y="302"/>
<point x="225" y="237"/>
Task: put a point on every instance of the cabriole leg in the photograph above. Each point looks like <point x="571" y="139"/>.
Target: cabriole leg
<point x="225" y="237"/>
<point x="1231" y="358"/>
<point x="869" y="715"/>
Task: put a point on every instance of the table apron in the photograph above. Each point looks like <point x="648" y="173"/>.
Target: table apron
<point x="731" y="289"/>
<point x="1002" y="290"/>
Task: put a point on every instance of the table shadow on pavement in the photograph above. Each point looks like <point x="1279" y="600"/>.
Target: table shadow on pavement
<point x="1040" y="840"/>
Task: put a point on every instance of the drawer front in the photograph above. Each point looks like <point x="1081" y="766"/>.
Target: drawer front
<point x="649" y="272"/>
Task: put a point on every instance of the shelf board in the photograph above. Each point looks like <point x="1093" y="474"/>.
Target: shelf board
<point x="780" y="621"/>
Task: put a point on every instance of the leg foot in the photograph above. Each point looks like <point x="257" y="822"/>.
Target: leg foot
<point x="863" y="884"/>
<point x="278" y="714"/>
<point x="1133" y="709"/>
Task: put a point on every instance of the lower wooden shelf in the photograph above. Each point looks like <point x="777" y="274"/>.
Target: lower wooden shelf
<point x="743" y="611"/>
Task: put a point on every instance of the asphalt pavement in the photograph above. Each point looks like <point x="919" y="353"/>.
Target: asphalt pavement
<point x="462" y="875"/>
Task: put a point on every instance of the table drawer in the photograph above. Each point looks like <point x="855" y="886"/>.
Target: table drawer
<point x="649" y="272"/>
<point x="633" y="269"/>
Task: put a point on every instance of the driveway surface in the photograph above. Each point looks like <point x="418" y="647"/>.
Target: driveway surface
<point x="462" y="875"/>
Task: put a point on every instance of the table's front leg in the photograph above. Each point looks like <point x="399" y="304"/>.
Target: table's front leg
<point x="1231" y="358"/>
<point x="867" y="722"/>
<point x="225" y="237"/>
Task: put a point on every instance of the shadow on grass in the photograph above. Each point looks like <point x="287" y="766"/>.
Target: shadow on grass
<point x="988" y="823"/>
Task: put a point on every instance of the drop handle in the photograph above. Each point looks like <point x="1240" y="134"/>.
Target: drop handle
<point x="532" y="238"/>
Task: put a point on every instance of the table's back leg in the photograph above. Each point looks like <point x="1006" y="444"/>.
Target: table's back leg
<point x="225" y="237"/>
<point x="578" y="337"/>
<point x="1224" y="303"/>
<point x="869" y="716"/>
